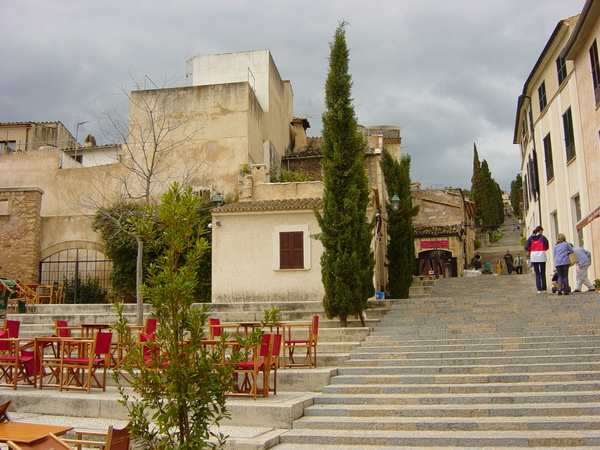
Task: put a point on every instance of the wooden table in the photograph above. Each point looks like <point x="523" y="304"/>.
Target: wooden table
<point x="87" y="329"/>
<point x="27" y="433"/>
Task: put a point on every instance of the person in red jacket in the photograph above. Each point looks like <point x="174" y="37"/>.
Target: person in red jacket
<point x="536" y="245"/>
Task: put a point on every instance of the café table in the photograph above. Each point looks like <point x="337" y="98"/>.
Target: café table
<point x="88" y="329"/>
<point x="27" y="433"/>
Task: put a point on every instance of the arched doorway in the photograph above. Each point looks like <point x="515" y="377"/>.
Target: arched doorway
<point x="437" y="262"/>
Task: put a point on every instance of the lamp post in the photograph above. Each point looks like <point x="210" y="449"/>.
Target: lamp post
<point x="395" y="202"/>
<point x="77" y="136"/>
<point x="217" y="200"/>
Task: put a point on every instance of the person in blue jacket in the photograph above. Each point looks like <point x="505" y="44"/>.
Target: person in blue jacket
<point x="562" y="263"/>
<point x="536" y="246"/>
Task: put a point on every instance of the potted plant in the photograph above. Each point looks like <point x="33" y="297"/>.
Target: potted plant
<point x="597" y="284"/>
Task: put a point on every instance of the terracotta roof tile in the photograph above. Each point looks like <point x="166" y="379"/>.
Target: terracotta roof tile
<point x="271" y="205"/>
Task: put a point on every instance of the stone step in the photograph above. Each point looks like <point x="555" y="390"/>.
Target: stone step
<point x="469" y="410"/>
<point x="500" y="359"/>
<point x="275" y="411"/>
<point x="375" y="353"/>
<point x="471" y="369"/>
<point x="449" y="424"/>
<point x="463" y="388"/>
<point x="431" y="439"/>
<point x="459" y="379"/>
<point x="514" y="398"/>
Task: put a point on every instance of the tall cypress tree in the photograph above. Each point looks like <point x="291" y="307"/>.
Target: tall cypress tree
<point x="400" y="253"/>
<point x="347" y="263"/>
<point x="478" y="194"/>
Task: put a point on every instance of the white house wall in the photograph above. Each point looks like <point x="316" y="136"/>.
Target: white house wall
<point x="244" y="268"/>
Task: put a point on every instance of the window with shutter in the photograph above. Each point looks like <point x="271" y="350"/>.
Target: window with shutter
<point x="291" y="250"/>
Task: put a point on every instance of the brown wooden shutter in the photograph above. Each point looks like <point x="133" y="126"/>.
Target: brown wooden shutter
<point x="291" y="250"/>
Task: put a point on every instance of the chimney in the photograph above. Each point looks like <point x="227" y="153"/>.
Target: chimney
<point x="299" y="138"/>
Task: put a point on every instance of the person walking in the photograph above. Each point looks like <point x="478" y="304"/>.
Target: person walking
<point x="508" y="260"/>
<point x="584" y="259"/>
<point x="562" y="262"/>
<point x="519" y="263"/>
<point x="536" y="246"/>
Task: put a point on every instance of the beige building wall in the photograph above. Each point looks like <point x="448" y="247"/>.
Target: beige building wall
<point x="563" y="181"/>
<point x="246" y="265"/>
<point x="587" y="34"/>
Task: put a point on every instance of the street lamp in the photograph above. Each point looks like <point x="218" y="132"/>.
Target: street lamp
<point x="77" y="136"/>
<point x="395" y="202"/>
<point x="217" y="200"/>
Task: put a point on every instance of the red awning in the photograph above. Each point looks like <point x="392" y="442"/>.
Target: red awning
<point x="593" y="214"/>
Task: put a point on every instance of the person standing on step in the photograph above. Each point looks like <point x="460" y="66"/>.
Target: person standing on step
<point x="536" y="246"/>
<point x="519" y="263"/>
<point x="584" y="259"/>
<point x="508" y="259"/>
<point x="562" y="262"/>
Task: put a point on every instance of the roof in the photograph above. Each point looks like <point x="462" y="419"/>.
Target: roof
<point x="271" y="205"/>
<point x="584" y="25"/>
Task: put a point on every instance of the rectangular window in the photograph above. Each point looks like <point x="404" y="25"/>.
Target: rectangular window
<point x="569" y="134"/>
<point x="576" y="207"/>
<point x="561" y="69"/>
<point x="548" y="157"/>
<point x="595" y="70"/>
<point x="542" y="96"/>
<point x="291" y="250"/>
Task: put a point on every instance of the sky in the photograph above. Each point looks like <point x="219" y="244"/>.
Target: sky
<point x="448" y="72"/>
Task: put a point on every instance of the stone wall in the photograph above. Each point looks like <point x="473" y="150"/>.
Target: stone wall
<point x="20" y="233"/>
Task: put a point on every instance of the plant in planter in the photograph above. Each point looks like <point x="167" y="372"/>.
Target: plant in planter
<point x="597" y="284"/>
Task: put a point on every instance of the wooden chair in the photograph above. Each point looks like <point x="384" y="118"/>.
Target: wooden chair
<point x="29" y="295"/>
<point x="291" y="343"/>
<point x="48" y="354"/>
<point x="149" y="326"/>
<point x="63" y="330"/>
<point x="4" y="417"/>
<point x="258" y="360"/>
<point x="81" y="372"/>
<point x="114" y="438"/>
<point x="12" y="363"/>
<point x="277" y="338"/>
<point x="45" y="293"/>
<point x="50" y="442"/>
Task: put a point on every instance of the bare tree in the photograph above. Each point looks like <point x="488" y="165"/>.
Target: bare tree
<point x="158" y="141"/>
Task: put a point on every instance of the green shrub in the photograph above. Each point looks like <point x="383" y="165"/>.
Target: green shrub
<point x="89" y="290"/>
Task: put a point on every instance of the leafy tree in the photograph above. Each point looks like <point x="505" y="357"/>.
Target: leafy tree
<point x="179" y="395"/>
<point x="113" y="223"/>
<point x="515" y="194"/>
<point x="401" y="247"/>
<point x="347" y="263"/>
<point x="487" y="195"/>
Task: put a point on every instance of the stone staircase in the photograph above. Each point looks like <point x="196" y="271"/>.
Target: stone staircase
<point x="484" y="363"/>
<point x="263" y="420"/>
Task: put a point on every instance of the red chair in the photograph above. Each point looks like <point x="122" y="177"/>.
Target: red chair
<point x="258" y="359"/>
<point x="12" y="363"/>
<point x="151" y="351"/>
<point x="13" y="327"/>
<point x="115" y="439"/>
<point x="275" y="360"/>
<point x="82" y="372"/>
<point x="148" y="328"/>
<point x="290" y="344"/>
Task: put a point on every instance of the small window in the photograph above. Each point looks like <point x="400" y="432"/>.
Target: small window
<point x="561" y="69"/>
<point x="569" y="134"/>
<point x="542" y="96"/>
<point x="548" y="158"/>
<point x="291" y="250"/>
<point x="594" y="62"/>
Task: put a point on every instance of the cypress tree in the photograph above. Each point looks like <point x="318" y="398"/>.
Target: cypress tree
<point x="400" y="253"/>
<point x="347" y="263"/>
<point x="515" y="195"/>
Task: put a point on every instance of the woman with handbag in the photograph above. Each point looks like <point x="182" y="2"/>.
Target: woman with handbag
<point x="562" y="261"/>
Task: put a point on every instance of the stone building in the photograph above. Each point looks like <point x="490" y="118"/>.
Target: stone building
<point x="444" y="231"/>
<point x="556" y="128"/>
<point x="237" y="113"/>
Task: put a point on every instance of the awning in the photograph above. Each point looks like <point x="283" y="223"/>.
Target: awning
<point x="593" y="214"/>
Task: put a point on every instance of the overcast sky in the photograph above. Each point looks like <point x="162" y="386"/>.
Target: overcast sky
<point x="448" y="72"/>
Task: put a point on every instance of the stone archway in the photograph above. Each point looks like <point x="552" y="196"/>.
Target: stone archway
<point x="436" y="262"/>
